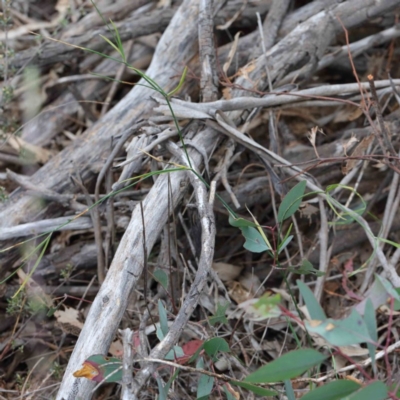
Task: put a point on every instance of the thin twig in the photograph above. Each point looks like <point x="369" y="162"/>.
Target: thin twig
<point x="209" y="78"/>
<point x="127" y="378"/>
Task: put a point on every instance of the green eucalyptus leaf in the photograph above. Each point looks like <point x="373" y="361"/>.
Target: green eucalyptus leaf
<point x="285" y="243"/>
<point x="291" y="202"/>
<point x="335" y="390"/>
<point x="345" y="332"/>
<point x="161" y="277"/>
<point x="240" y="222"/>
<point x="315" y="310"/>
<point x="214" y="345"/>
<point x="374" y="391"/>
<point x="219" y="317"/>
<point x="162" y="313"/>
<point x="254" y="241"/>
<point x="205" y="386"/>
<point x="288" y="366"/>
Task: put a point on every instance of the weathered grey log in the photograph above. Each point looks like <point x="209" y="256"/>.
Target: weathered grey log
<point x="52" y="52"/>
<point x="45" y="225"/>
<point x="155" y="21"/>
<point x="307" y="43"/>
<point x="115" y="11"/>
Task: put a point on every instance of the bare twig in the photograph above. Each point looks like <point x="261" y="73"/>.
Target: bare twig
<point x="46" y="225"/>
<point x="127" y="378"/>
<point x="271" y="100"/>
<point x="209" y="78"/>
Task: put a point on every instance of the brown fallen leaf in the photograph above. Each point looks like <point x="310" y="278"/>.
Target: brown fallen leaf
<point x="69" y="320"/>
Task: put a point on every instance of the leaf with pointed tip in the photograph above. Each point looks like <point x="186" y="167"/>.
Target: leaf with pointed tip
<point x="161" y="277"/>
<point x="214" y="345"/>
<point x="100" y="368"/>
<point x="313" y="307"/>
<point x="291" y="202"/>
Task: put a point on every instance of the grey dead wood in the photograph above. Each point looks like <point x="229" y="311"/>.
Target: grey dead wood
<point x="56" y="182"/>
<point x="9" y="291"/>
<point x="135" y="151"/>
<point x="115" y="11"/>
<point x="307" y="43"/>
<point x="126" y="268"/>
<point x="208" y="62"/>
<point x="127" y="377"/>
<point x="303" y="13"/>
<point x="268" y="34"/>
<point x="356" y="48"/>
<point x="183" y="108"/>
<point x="52" y="52"/>
<point x="45" y="225"/>
<point x="390" y="271"/>
<point x="43" y="193"/>
<point x="154" y="21"/>
<point x="94" y="211"/>
<point x="86" y="154"/>
<point x="79" y="256"/>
